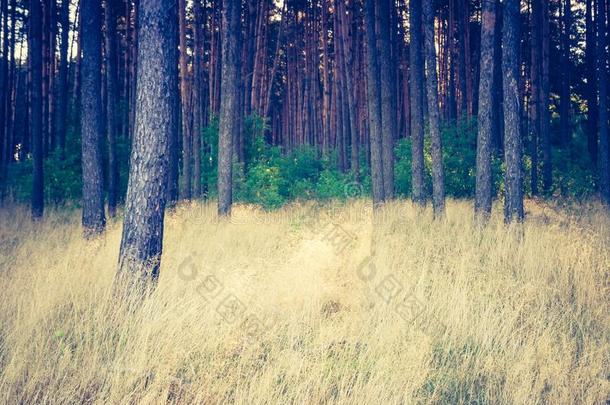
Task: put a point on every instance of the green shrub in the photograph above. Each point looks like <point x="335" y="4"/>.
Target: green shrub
<point x="459" y="162"/>
<point x="270" y="177"/>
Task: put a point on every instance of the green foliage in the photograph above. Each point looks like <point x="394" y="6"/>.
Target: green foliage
<point x="573" y="174"/>
<point x="262" y="185"/>
<point x="459" y="158"/>
<point x="62" y="177"/>
<point x="209" y="156"/>
<point x="459" y="162"/>
<point x="271" y="178"/>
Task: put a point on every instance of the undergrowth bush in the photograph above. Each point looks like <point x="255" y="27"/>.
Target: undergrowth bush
<point x="270" y="177"/>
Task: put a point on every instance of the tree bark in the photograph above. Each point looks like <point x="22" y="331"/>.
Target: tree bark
<point x="512" y="126"/>
<point x="438" y="180"/>
<point x="35" y="47"/>
<point x="348" y="62"/>
<point x="590" y="63"/>
<point x="602" y="84"/>
<point x="545" y="115"/>
<point x="231" y="29"/>
<point x="483" y="198"/>
<point x="416" y="94"/>
<point x="388" y="99"/>
<point x="94" y="219"/>
<point x="157" y="91"/>
<point x="374" y="104"/>
<point x="564" y="114"/>
<point x="62" y="85"/>
<point x="536" y="46"/>
<point x="111" y="105"/>
<point x="197" y="96"/>
<point x="184" y="97"/>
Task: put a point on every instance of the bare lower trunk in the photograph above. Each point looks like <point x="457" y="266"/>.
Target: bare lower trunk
<point x="35" y="47"/>
<point x="512" y="127"/>
<point x="388" y="101"/>
<point x="438" y="180"/>
<point x="483" y="185"/>
<point x="228" y="103"/>
<point x="94" y="219"/>
<point x="111" y="106"/>
<point x="184" y="97"/>
<point x="602" y="83"/>
<point x="416" y="91"/>
<point x="374" y="104"/>
<point x="141" y="243"/>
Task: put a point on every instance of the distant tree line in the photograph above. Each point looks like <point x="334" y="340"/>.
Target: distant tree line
<point x="350" y="79"/>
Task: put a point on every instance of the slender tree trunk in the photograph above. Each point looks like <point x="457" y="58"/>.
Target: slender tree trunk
<point x="483" y="198"/>
<point x="326" y="87"/>
<point x="438" y="180"/>
<point x="4" y="99"/>
<point x="388" y="100"/>
<point x="62" y="85"/>
<point x="184" y="96"/>
<point x="347" y="43"/>
<point x="35" y="48"/>
<point x="157" y="91"/>
<point x="512" y="126"/>
<point x="94" y="220"/>
<point x="197" y="96"/>
<point x="535" y="24"/>
<point x="545" y="116"/>
<point x="564" y="115"/>
<point x="417" y="101"/>
<point x="231" y="30"/>
<point x="463" y="55"/>
<point x="603" y="163"/>
<point x="111" y="105"/>
<point x="76" y="76"/>
<point x="374" y="103"/>
<point x="51" y="68"/>
<point x="590" y="62"/>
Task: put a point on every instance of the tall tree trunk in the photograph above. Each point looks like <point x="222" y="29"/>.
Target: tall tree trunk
<point x="94" y="220"/>
<point x="535" y="24"/>
<point x="590" y="63"/>
<point x="157" y="91"/>
<point x="62" y="85"/>
<point x="463" y="56"/>
<point x="184" y="97"/>
<point x="4" y="100"/>
<point x="417" y="101"/>
<point x="231" y="29"/>
<point x="388" y="99"/>
<point x="603" y="163"/>
<point x="197" y="95"/>
<point x="51" y="79"/>
<point x="111" y="105"/>
<point x="512" y="126"/>
<point x="373" y="97"/>
<point x="438" y="180"/>
<point x="326" y="88"/>
<point x="545" y="115"/>
<point x="564" y="114"/>
<point x="35" y="47"/>
<point x="347" y="39"/>
<point x="483" y="196"/>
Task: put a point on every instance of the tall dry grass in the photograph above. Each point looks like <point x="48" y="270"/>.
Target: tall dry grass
<point x="269" y="308"/>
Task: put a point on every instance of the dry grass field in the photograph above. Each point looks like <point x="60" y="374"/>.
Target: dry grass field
<point x="309" y="305"/>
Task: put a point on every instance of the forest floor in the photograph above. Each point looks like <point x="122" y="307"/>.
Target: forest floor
<point x="309" y="305"/>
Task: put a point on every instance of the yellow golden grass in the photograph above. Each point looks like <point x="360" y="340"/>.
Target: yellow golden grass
<point x="491" y="314"/>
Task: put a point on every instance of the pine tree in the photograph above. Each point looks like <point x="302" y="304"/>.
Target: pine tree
<point x="155" y="126"/>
